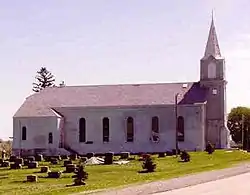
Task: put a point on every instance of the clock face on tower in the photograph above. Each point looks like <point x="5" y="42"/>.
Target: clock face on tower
<point x="211" y="73"/>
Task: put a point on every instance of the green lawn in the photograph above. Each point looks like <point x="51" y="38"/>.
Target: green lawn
<point x="106" y="176"/>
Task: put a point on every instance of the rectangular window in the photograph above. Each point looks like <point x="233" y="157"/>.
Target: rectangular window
<point x="24" y="133"/>
<point x="130" y="129"/>
<point x="180" y="128"/>
<point x="50" y="138"/>
<point x="82" y="130"/>
<point x="105" y="126"/>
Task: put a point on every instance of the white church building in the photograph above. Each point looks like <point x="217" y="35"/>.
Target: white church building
<point x="128" y="117"/>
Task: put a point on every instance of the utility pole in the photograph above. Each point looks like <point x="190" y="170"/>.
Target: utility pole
<point x="176" y="124"/>
<point x="247" y="139"/>
<point x="242" y="131"/>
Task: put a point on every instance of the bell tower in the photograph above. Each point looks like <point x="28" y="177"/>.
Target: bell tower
<point x="212" y="78"/>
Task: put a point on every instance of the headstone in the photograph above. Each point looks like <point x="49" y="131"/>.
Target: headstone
<point x="54" y="174"/>
<point x="33" y="165"/>
<point x="13" y="158"/>
<point x="169" y="153"/>
<point x="84" y="159"/>
<point x="15" y="166"/>
<point x="64" y="157"/>
<point x="5" y="164"/>
<point x="26" y="162"/>
<point x="19" y="161"/>
<point x="39" y="157"/>
<point x="73" y="157"/>
<point x="90" y="155"/>
<point x="31" y="178"/>
<point x="67" y="162"/>
<point x="31" y="158"/>
<point x="125" y="155"/>
<point x="44" y="169"/>
<point x="161" y="154"/>
<point x="109" y="158"/>
<point x="70" y="168"/>
<point x="54" y="161"/>
<point x="58" y="157"/>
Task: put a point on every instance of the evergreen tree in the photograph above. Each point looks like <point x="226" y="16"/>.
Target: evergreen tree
<point x="80" y="175"/>
<point x="149" y="164"/>
<point x="44" y="79"/>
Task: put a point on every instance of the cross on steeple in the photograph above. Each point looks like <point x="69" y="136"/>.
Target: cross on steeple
<point x="212" y="47"/>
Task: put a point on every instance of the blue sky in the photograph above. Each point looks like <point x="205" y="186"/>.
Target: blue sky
<point x="109" y="41"/>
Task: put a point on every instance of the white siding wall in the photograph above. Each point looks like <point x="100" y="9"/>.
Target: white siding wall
<point x="194" y="128"/>
<point x="38" y="129"/>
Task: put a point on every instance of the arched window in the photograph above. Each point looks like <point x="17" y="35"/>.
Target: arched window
<point x="105" y="129"/>
<point x="50" y="138"/>
<point x="130" y="129"/>
<point x="24" y="133"/>
<point x="82" y="130"/>
<point x="155" y="129"/>
<point x="155" y="124"/>
<point x="180" y="128"/>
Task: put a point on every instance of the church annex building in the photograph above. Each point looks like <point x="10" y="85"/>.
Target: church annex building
<point x="127" y="118"/>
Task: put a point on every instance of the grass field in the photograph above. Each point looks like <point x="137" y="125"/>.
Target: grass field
<point x="106" y="176"/>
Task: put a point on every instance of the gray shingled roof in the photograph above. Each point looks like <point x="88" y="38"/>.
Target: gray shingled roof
<point x="40" y="104"/>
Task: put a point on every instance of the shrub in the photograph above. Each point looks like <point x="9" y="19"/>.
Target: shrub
<point x="185" y="156"/>
<point x="209" y="148"/>
<point x="80" y="176"/>
<point x="148" y="164"/>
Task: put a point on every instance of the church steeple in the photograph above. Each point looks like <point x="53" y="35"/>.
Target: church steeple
<point x="212" y="48"/>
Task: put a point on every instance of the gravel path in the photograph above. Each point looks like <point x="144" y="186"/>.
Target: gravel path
<point x="176" y="183"/>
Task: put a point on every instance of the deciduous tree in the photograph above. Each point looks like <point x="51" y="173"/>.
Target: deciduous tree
<point x="238" y="119"/>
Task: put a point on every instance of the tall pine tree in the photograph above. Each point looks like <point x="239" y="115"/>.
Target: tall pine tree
<point x="44" y="79"/>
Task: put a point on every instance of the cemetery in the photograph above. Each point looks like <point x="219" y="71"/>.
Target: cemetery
<point x="71" y="174"/>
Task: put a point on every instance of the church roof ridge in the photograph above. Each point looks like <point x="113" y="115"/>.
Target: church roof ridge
<point x="124" y="84"/>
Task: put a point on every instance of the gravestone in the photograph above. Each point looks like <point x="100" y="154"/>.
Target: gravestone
<point x="31" y="178"/>
<point x="44" y="169"/>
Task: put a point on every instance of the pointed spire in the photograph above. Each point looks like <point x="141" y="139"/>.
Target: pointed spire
<point x="212" y="47"/>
